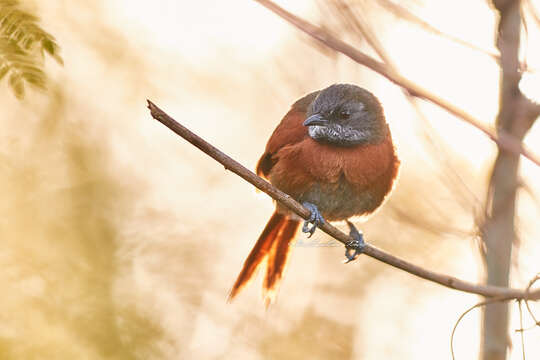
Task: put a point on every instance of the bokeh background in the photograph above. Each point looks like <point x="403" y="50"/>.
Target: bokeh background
<point x="121" y="241"/>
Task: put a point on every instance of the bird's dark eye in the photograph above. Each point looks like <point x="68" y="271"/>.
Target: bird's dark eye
<point x="344" y="114"/>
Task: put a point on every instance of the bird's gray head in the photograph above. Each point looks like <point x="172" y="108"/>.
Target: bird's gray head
<point x="346" y="115"/>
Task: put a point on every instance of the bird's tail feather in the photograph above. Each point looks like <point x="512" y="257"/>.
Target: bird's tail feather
<point x="277" y="260"/>
<point x="272" y="245"/>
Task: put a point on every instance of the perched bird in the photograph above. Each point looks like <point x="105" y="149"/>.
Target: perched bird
<point x="333" y="153"/>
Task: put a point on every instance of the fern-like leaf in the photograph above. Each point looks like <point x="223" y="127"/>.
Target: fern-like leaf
<point x="23" y="45"/>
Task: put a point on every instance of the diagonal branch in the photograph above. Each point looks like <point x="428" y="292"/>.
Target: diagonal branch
<point x="402" y="12"/>
<point x="297" y="208"/>
<point x="502" y="139"/>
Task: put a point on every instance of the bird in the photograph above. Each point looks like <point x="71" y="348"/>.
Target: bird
<point x="333" y="152"/>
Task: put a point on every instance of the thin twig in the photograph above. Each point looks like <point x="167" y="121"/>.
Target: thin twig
<point x="482" y="303"/>
<point x="404" y="13"/>
<point x="527" y="290"/>
<point x="521" y="329"/>
<point x="502" y="139"/>
<point x="532" y="11"/>
<point x="294" y="206"/>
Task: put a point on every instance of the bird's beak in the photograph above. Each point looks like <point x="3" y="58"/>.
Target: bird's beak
<point x="315" y="119"/>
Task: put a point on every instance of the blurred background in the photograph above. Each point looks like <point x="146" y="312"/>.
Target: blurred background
<point x="121" y="241"/>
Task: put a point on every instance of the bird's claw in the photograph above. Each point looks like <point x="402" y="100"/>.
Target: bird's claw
<point x="356" y="246"/>
<point x="315" y="218"/>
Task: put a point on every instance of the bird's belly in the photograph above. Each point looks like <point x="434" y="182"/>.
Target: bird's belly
<point x="340" y="200"/>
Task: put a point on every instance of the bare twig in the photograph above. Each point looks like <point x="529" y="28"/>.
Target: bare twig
<point x="521" y="330"/>
<point x="482" y="303"/>
<point x="534" y="13"/>
<point x="403" y="13"/>
<point x="531" y="283"/>
<point x="294" y="206"/>
<point x="502" y="138"/>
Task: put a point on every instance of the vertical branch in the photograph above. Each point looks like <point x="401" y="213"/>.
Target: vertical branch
<point x="499" y="233"/>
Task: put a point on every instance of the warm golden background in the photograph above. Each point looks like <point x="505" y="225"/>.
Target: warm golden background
<point x="121" y="241"/>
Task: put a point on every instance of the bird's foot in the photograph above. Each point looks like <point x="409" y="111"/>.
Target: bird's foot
<point x="315" y="218"/>
<point x="356" y="246"/>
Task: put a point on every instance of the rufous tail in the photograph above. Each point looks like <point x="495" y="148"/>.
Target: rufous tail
<point x="272" y="246"/>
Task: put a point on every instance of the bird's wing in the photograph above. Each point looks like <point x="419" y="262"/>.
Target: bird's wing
<point x="289" y="131"/>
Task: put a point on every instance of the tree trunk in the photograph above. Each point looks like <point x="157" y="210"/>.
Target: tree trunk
<point x="498" y="230"/>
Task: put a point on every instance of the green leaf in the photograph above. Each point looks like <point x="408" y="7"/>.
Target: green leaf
<point x="3" y="71"/>
<point x="48" y="45"/>
<point x="23" y="45"/>
<point x="17" y="85"/>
